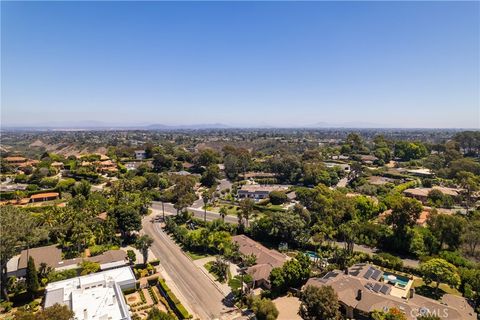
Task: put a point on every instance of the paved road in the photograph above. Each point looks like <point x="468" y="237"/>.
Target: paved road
<point x="169" y="210"/>
<point x="201" y="295"/>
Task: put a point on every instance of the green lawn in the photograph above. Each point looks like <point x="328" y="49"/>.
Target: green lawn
<point x="195" y="255"/>
<point x="230" y="211"/>
<point x="235" y="283"/>
<point x="429" y="290"/>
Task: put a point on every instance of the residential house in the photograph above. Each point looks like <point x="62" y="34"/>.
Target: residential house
<point x="368" y="159"/>
<point x="421" y="194"/>
<point x="257" y="192"/>
<point x="94" y="296"/>
<point x="57" y="165"/>
<point x="48" y="196"/>
<point x="363" y="288"/>
<point x="107" y="166"/>
<point x="257" y="175"/>
<point x="52" y="257"/>
<point x="266" y="259"/>
<point x="421" y="172"/>
<point x="140" y="154"/>
<point x="344" y="166"/>
<point x="15" y="160"/>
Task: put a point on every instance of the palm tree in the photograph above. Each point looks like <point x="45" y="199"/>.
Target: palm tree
<point x="143" y="243"/>
<point x="246" y="208"/>
<point x="223" y="213"/>
<point x="206" y="198"/>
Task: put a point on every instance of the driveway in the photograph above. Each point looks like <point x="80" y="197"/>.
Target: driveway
<point x="287" y="308"/>
<point x="196" y="291"/>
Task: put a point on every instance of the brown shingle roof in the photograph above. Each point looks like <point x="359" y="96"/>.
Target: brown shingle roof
<point x="347" y="287"/>
<point x="264" y="255"/>
<point x="15" y="159"/>
<point x="51" y="255"/>
<point x="109" y="256"/>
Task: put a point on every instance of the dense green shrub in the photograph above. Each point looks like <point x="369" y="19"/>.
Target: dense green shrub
<point x="387" y="260"/>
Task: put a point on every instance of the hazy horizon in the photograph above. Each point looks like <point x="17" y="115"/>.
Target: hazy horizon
<point x="242" y="64"/>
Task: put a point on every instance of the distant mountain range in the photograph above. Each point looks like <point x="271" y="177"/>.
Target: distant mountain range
<point x="98" y="125"/>
<point x="92" y="125"/>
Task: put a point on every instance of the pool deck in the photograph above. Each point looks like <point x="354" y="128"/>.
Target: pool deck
<point x="402" y="292"/>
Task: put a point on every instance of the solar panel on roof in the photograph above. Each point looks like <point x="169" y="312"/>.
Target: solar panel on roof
<point x="376" y="274"/>
<point x="368" y="273"/>
<point x="369" y="286"/>
<point x="377" y="287"/>
<point x="355" y="272"/>
<point x="330" y="274"/>
<point x="385" y="289"/>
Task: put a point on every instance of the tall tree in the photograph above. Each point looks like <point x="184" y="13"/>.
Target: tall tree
<point x="263" y="308"/>
<point x="143" y="244"/>
<point x="246" y="208"/>
<point x="210" y="175"/>
<point x="439" y="270"/>
<point x="223" y="212"/>
<point x="18" y="230"/>
<point x="82" y="187"/>
<point x="55" y="312"/>
<point x="155" y="314"/>
<point x="405" y="213"/>
<point x="32" y="278"/>
<point x="447" y="229"/>
<point x="471" y="235"/>
<point x="206" y="197"/>
<point x="183" y="193"/>
<point x="470" y="183"/>
<point x="319" y="303"/>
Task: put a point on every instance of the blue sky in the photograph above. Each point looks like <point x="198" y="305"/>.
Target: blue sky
<point x="393" y="64"/>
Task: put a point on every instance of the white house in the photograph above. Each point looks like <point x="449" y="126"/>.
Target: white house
<point x="97" y="296"/>
<point x="140" y="154"/>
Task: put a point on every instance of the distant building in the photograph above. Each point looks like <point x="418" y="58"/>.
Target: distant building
<point x="266" y="259"/>
<point x="257" y="175"/>
<point x="97" y="296"/>
<point x="12" y="187"/>
<point x="140" y="154"/>
<point x="57" y="165"/>
<point x="368" y="159"/>
<point x="421" y="194"/>
<point x="256" y="191"/>
<point x="39" y="197"/>
<point x="422" y="172"/>
<point x="15" y="160"/>
<point x="344" y="166"/>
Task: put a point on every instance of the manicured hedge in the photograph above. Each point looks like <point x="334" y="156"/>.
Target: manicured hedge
<point x="155" y="262"/>
<point x="10" y="195"/>
<point x="173" y="301"/>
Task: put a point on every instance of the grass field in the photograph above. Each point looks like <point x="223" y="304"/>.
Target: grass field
<point x="429" y="290"/>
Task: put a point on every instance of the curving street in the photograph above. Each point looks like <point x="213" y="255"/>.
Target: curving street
<point x="199" y="293"/>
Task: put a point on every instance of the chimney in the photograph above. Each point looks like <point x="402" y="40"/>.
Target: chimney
<point x="412" y="291"/>
<point x="85" y="314"/>
<point x="346" y="271"/>
<point x="359" y="294"/>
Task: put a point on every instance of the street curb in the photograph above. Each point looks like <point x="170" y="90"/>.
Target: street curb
<point x="193" y="261"/>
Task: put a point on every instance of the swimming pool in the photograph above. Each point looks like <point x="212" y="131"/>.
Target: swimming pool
<point x="312" y="255"/>
<point x="399" y="280"/>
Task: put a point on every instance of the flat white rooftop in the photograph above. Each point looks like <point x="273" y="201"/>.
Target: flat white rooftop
<point x="95" y="296"/>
